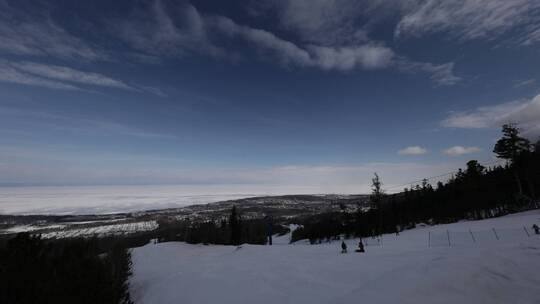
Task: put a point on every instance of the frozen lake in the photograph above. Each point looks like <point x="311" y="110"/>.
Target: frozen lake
<point x="110" y="199"/>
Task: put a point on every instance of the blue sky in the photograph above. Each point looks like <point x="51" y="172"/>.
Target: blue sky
<point x="309" y="94"/>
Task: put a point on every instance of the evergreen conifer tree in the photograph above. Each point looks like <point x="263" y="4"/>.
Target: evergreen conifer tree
<point x="510" y="146"/>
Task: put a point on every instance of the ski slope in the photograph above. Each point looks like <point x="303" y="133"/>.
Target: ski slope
<point x="403" y="269"/>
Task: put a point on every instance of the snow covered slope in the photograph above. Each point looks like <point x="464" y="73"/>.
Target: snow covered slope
<point x="401" y="270"/>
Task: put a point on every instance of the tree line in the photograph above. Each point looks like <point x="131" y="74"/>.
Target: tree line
<point x="33" y="270"/>
<point x="474" y="193"/>
<point x="234" y="230"/>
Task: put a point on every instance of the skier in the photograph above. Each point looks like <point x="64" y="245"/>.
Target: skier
<point x="360" y="247"/>
<point x="536" y="229"/>
<point x="268" y="219"/>
<point x="343" y="247"/>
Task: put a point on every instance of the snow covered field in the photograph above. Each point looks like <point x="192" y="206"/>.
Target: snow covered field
<point x="401" y="270"/>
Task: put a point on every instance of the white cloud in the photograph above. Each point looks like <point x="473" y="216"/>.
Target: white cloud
<point x="155" y="31"/>
<point x="460" y="150"/>
<point x="67" y="74"/>
<point x="326" y="22"/>
<point x="55" y="77"/>
<point x="412" y="150"/>
<point x="524" y="113"/>
<point x="325" y="35"/>
<point x="331" y="21"/>
<point x="470" y="19"/>
<point x="525" y="83"/>
<point x="336" y="33"/>
<point x="184" y="30"/>
<point x="367" y="56"/>
<point x="12" y="75"/>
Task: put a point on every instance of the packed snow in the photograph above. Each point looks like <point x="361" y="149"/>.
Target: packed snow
<point x="488" y="261"/>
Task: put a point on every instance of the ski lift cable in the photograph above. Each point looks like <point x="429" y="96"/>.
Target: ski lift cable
<point x="442" y="175"/>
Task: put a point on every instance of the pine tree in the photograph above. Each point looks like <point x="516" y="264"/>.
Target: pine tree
<point x="234" y="224"/>
<point x="509" y="147"/>
<point x="376" y="191"/>
<point x="376" y="198"/>
<point x="474" y="169"/>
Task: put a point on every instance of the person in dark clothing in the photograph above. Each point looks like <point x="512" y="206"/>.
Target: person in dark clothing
<point x="268" y="219"/>
<point x="343" y="247"/>
<point x="360" y="247"/>
<point x="536" y="229"/>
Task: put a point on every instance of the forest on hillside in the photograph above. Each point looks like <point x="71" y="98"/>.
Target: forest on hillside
<point x="477" y="192"/>
<point x="33" y="270"/>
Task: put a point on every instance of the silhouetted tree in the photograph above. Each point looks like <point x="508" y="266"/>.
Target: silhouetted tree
<point x="376" y="198"/>
<point x="510" y="146"/>
<point x="476" y="192"/>
<point x="234" y="224"/>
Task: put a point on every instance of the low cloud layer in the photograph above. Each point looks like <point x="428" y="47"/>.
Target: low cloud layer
<point x="291" y="179"/>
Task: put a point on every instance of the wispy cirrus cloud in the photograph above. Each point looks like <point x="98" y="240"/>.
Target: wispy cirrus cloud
<point x="336" y="34"/>
<point x="67" y="74"/>
<point x="525" y="83"/>
<point x="24" y="32"/>
<point x="366" y="56"/>
<point x="153" y="30"/>
<point x="10" y="74"/>
<point x="330" y="22"/>
<point x="329" y="38"/>
<point x="460" y="150"/>
<point x="190" y="31"/>
<point x="185" y="30"/>
<point x="471" y="19"/>
<point x="55" y="77"/>
<point x="440" y="74"/>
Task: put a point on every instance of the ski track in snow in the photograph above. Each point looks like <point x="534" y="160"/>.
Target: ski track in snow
<point x="403" y="270"/>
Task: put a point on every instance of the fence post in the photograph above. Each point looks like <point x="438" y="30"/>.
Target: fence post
<point x="472" y="236"/>
<point x="448" y="235"/>
<point x="495" y="232"/>
<point x="527" y="232"/>
<point x="429" y="239"/>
